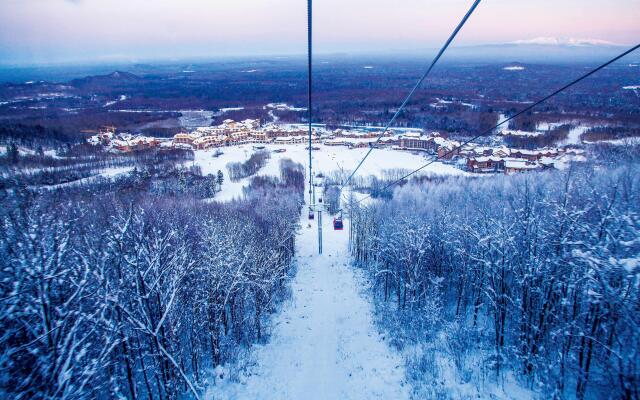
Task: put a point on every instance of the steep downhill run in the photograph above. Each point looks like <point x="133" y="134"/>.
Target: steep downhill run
<point x="323" y="344"/>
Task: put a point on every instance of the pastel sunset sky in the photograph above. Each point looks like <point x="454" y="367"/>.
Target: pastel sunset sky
<point x="41" y="31"/>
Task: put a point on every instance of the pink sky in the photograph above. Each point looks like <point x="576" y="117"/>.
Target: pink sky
<point x="67" y="30"/>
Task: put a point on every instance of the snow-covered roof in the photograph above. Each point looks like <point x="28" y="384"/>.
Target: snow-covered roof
<point x="289" y="138"/>
<point x="355" y="133"/>
<point x="509" y="132"/>
<point x="487" y="158"/>
<point x="519" y="164"/>
<point x="284" y="107"/>
<point x="534" y="152"/>
<point x="351" y="140"/>
<point x="283" y="128"/>
<point x="205" y="139"/>
<point x="547" y="161"/>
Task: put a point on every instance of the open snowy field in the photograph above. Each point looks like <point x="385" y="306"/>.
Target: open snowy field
<point x="325" y="160"/>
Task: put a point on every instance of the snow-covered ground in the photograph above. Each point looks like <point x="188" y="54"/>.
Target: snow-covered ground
<point x="115" y="171"/>
<point x="509" y="132"/>
<point x="273" y="107"/>
<point x="573" y="138"/>
<point x="112" y="102"/>
<point x="189" y="119"/>
<point x="284" y="107"/>
<point x="194" y="118"/>
<point x="574" y="135"/>
<point x="326" y="160"/>
<point x="368" y="128"/>
<point x="110" y="172"/>
<point x="502" y="118"/>
<point x="629" y="141"/>
<point x="211" y="165"/>
<point x="442" y="103"/>
<point x="547" y="126"/>
<point x="228" y="109"/>
<point x="323" y="343"/>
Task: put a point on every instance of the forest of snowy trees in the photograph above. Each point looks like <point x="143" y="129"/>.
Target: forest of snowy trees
<point x="533" y="276"/>
<point x="131" y="289"/>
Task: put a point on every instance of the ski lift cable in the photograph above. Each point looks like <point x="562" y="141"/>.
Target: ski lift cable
<point x="415" y="88"/>
<point x="525" y="110"/>
<point x="310" y="91"/>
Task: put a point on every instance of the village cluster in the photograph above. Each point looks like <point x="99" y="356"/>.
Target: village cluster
<point x="476" y="158"/>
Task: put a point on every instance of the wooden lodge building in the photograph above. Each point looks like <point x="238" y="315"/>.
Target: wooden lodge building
<point x="493" y="164"/>
<point x="134" y="144"/>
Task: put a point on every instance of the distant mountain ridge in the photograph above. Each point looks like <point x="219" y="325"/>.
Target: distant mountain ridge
<point x="114" y="77"/>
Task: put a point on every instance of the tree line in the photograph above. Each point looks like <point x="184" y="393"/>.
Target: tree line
<point x="241" y="170"/>
<point x="18" y="170"/>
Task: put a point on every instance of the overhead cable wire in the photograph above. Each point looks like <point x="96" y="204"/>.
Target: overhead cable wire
<point x="415" y="88"/>
<point x="525" y="110"/>
<point x="309" y="93"/>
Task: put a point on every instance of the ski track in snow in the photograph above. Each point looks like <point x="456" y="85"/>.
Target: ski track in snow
<point x="324" y="344"/>
<point x="574" y="136"/>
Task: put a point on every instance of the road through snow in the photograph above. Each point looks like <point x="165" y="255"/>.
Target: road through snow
<point x="324" y="344"/>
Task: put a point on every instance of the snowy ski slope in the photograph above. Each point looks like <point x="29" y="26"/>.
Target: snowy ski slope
<point x="324" y="344"/>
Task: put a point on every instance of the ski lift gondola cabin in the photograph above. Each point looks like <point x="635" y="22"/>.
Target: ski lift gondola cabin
<point x="311" y="215"/>
<point x="337" y="224"/>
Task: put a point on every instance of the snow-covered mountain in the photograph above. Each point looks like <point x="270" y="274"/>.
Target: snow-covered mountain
<point x="541" y="49"/>
<point x="571" y="42"/>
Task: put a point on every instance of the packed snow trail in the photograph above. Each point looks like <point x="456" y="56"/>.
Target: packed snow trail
<point x="323" y="343"/>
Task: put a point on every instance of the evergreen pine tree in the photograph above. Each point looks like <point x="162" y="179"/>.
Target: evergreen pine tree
<point x="182" y="182"/>
<point x="220" y="180"/>
<point x="12" y="153"/>
<point x="213" y="185"/>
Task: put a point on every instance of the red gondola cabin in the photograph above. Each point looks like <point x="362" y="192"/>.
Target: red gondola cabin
<point x="337" y="224"/>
